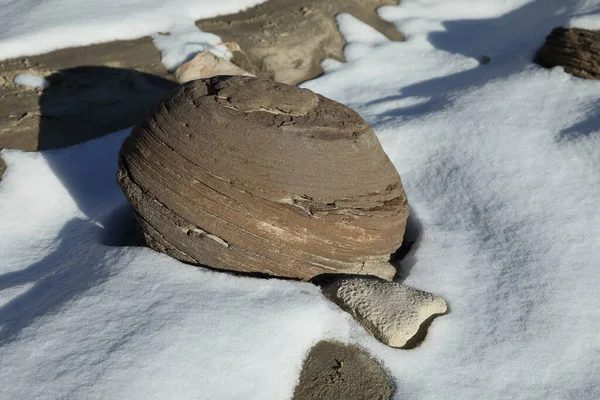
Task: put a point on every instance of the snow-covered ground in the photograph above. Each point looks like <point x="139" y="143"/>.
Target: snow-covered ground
<point x="501" y="164"/>
<point x="35" y="26"/>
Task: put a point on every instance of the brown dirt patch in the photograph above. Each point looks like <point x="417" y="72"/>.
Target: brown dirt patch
<point x="84" y="111"/>
<point x="335" y="371"/>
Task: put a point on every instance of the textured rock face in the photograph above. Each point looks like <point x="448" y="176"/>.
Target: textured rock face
<point x="391" y="312"/>
<point x="250" y="175"/>
<point x="336" y="371"/>
<point x="577" y="50"/>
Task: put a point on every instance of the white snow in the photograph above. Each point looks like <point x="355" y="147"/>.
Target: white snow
<point x="183" y="42"/>
<point x="501" y="164"/>
<point x="37" y="26"/>
<point x="32" y="81"/>
<point x="83" y="319"/>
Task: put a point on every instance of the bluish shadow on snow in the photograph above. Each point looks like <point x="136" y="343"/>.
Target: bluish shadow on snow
<point x="405" y="257"/>
<point x="88" y="172"/>
<point x="87" y="102"/>
<point x="70" y="270"/>
<point x="520" y="32"/>
<point x="580" y="130"/>
<point x="77" y="263"/>
<point x="510" y="34"/>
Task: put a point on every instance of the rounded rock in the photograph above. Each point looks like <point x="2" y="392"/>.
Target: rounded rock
<point x="246" y="174"/>
<point x="576" y="50"/>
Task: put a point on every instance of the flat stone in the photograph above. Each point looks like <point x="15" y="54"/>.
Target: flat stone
<point x="395" y="314"/>
<point x="286" y="40"/>
<point x="577" y="50"/>
<point x="335" y="371"/>
<point x="246" y="174"/>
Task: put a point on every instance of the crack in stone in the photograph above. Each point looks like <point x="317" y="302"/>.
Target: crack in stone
<point x="192" y="229"/>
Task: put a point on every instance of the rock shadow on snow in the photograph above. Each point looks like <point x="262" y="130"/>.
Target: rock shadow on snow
<point x="512" y="32"/>
<point x="55" y="280"/>
<point x="581" y="130"/>
<point x="81" y="104"/>
<point x="84" y="103"/>
<point x="405" y="258"/>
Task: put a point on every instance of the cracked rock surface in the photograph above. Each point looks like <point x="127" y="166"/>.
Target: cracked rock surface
<point x="577" y="50"/>
<point x="395" y="314"/>
<point x="246" y="174"/>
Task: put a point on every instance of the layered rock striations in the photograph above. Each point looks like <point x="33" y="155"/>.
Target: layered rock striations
<point x="577" y="50"/>
<point x="246" y="174"/>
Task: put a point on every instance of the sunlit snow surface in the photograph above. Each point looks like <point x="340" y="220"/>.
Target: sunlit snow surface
<point x="183" y="42"/>
<point x="36" y="26"/>
<point x="501" y="164"/>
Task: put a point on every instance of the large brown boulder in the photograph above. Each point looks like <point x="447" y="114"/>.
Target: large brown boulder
<point x="246" y="174"/>
<point x="577" y="50"/>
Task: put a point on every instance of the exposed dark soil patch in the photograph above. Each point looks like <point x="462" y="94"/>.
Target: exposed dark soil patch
<point x="336" y="371"/>
<point x="87" y="102"/>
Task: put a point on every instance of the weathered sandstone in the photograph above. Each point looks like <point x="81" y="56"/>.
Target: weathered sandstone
<point x="577" y="50"/>
<point x="246" y="174"/>
<point x="391" y="312"/>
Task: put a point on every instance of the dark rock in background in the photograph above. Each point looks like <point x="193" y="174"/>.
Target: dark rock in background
<point x="93" y="90"/>
<point x="577" y="50"/>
